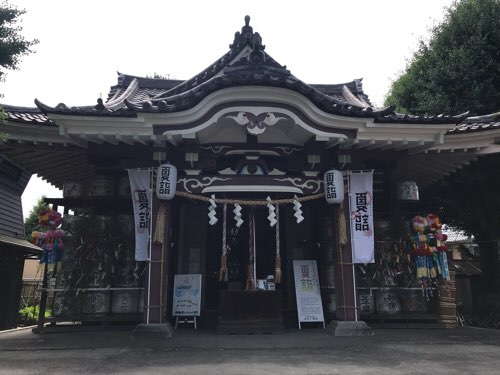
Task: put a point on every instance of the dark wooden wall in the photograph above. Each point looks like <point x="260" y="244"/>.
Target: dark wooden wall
<point x="13" y="181"/>
<point x="11" y="282"/>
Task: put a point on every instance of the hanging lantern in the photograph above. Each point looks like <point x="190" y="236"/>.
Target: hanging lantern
<point x="334" y="186"/>
<point x="166" y="181"/>
<point x="407" y="191"/>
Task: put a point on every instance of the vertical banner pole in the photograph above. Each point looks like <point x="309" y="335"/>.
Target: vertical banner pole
<point x="223" y="272"/>
<point x="141" y="191"/>
<point x="251" y="252"/>
<point x="150" y="243"/>
<point x="277" y="265"/>
<point x="352" y="255"/>
<point x="254" y="251"/>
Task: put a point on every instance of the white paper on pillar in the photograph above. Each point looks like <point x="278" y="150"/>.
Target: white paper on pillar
<point x="361" y="208"/>
<point x="140" y="188"/>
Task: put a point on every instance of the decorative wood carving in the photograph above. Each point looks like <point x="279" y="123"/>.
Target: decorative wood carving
<point x="228" y="183"/>
<point x="256" y="124"/>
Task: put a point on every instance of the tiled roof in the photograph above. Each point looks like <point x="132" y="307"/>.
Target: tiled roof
<point x="465" y="267"/>
<point x="26" y="115"/>
<point x="245" y="64"/>
<point x="478" y="123"/>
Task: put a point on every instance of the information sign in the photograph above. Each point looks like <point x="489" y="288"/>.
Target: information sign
<point x="187" y="295"/>
<point x="307" y="291"/>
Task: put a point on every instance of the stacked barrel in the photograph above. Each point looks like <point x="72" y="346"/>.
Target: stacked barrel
<point x="447" y="306"/>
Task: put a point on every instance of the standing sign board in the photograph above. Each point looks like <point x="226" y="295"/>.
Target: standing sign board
<point x="307" y="292"/>
<point x="187" y="295"/>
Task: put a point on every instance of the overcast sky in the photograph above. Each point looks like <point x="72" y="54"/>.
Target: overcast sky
<point x="84" y="43"/>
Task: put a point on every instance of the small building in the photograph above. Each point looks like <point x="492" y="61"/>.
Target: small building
<point x="245" y="131"/>
<point x="14" y="249"/>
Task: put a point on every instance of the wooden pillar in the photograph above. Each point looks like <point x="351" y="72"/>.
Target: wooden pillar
<point x="345" y="294"/>
<point x="155" y="296"/>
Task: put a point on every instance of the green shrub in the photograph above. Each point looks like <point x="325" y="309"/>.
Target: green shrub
<point x="29" y="315"/>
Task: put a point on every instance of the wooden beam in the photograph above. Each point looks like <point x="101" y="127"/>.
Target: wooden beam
<point x="138" y="139"/>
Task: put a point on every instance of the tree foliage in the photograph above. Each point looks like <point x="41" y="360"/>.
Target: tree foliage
<point x="469" y="199"/>
<point x="12" y="44"/>
<point x="31" y="223"/>
<point x="458" y="68"/>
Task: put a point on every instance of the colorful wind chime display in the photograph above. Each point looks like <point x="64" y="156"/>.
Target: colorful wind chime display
<point x="51" y="240"/>
<point x="429" y="249"/>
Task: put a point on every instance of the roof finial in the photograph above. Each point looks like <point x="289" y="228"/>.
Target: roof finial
<point x="247" y="20"/>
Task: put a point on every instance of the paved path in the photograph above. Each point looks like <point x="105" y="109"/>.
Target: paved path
<point x="310" y="351"/>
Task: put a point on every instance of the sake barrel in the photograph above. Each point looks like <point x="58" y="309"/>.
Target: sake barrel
<point x="365" y="302"/>
<point x="331" y="303"/>
<point x="124" y="187"/>
<point x="104" y="223"/>
<point x="96" y="303"/>
<point x="388" y="302"/>
<point x="141" y="301"/>
<point x="125" y="301"/>
<point x="58" y="307"/>
<point x="62" y="280"/>
<point x="127" y="274"/>
<point x="126" y="224"/>
<point x="72" y="189"/>
<point x="102" y="186"/>
<point x="415" y="301"/>
<point x="96" y="278"/>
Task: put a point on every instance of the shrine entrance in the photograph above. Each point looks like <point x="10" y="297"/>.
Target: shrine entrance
<point x="249" y="299"/>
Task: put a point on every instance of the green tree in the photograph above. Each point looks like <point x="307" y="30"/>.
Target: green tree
<point x="12" y="45"/>
<point x="31" y="222"/>
<point x="458" y="68"/>
<point x="469" y="199"/>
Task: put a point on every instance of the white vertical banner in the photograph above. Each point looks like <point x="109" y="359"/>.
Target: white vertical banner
<point x="361" y="209"/>
<point x="142" y="197"/>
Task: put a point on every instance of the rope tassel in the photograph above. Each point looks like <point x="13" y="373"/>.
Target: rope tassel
<point x="250" y="280"/>
<point x="277" y="262"/>
<point x="277" y="270"/>
<point x="160" y="224"/>
<point x="223" y="276"/>
<point x="251" y="253"/>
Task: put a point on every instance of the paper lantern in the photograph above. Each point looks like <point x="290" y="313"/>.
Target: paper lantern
<point x="334" y="186"/>
<point x="166" y="181"/>
<point x="407" y="191"/>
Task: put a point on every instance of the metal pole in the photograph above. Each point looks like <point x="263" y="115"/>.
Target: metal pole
<point x="352" y="255"/>
<point x="150" y="243"/>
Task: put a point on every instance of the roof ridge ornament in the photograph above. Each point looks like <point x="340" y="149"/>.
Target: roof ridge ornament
<point x="246" y="36"/>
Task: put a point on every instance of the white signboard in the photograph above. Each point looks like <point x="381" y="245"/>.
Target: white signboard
<point x="307" y="291"/>
<point x="187" y="295"/>
<point x="142" y="197"/>
<point x="361" y="208"/>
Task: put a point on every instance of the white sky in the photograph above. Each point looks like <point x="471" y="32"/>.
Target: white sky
<point x="84" y="43"/>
